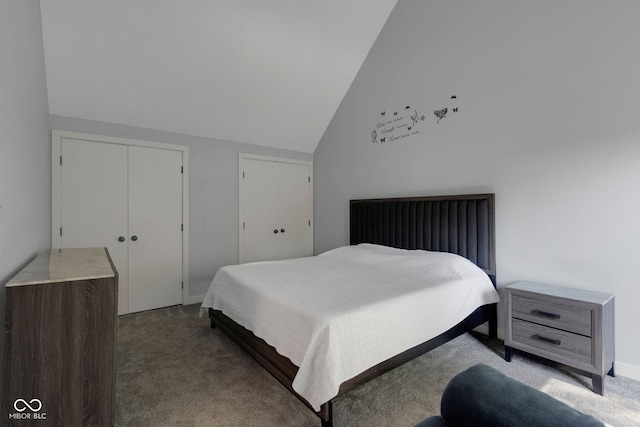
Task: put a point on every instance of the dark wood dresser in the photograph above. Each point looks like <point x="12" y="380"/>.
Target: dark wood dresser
<point x="60" y="340"/>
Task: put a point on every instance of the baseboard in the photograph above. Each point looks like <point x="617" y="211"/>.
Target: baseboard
<point x="195" y="299"/>
<point x="626" y="370"/>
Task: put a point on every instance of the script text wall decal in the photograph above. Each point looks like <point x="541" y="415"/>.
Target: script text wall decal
<point x="396" y="124"/>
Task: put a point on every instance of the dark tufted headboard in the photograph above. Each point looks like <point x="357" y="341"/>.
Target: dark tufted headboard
<point x="463" y="225"/>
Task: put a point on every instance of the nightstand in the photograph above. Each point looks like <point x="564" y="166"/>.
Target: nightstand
<point x="570" y="326"/>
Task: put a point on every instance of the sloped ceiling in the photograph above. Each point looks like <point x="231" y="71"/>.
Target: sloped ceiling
<point x="266" y="72"/>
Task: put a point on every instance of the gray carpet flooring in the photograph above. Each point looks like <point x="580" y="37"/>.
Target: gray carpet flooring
<point x="174" y="370"/>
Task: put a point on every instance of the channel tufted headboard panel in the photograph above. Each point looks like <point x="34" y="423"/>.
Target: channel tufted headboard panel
<point x="463" y="225"/>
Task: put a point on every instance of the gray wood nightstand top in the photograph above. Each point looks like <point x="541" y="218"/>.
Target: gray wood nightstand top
<point x="562" y="292"/>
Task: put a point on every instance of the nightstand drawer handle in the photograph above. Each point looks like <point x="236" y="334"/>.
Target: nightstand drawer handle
<point x="545" y="339"/>
<point x="545" y="314"/>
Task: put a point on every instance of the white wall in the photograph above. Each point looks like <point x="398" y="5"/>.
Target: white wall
<point x="548" y="100"/>
<point x="213" y="191"/>
<point x="24" y="141"/>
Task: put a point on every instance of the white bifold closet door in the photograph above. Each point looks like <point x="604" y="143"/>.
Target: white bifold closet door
<point x="275" y="209"/>
<point x="155" y="218"/>
<point x="128" y="199"/>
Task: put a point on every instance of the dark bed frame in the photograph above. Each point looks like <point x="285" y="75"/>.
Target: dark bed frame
<point x="462" y="224"/>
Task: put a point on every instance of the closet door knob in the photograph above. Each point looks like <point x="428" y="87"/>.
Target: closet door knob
<point x="134" y="238"/>
<point x="275" y="231"/>
<point x="121" y="239"/>
<point x="282" y="230"/>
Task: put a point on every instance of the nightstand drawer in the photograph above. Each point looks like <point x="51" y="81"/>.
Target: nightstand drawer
<point x="556" y="315"/>
<point x="571" y="346"/>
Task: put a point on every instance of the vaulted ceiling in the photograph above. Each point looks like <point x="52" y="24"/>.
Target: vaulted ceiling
<point x="266" y="72"/>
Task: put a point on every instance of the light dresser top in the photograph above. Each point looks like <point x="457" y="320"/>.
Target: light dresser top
<point x="58" y="265"/>
<point x="562" y="292"/>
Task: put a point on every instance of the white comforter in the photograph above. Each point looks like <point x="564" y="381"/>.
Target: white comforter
<point x="337" y="314"/>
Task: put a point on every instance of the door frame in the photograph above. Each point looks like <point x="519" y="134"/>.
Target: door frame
<point x="241" y="158"/>
<point x="56" y="188"/>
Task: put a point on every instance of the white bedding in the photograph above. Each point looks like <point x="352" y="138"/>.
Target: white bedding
<point x="339" y="313"/>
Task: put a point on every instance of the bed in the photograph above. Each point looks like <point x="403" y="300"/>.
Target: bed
<point x="308" y="348"/>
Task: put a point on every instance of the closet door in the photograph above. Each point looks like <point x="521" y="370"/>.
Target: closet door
<point x="275" y="209"/>
<point x="93" y="203"/>
<point x="128" y="196"/>
<point x="155" y="228"/>
<point x="294" y="214"/>
<point x="260" y="225"/>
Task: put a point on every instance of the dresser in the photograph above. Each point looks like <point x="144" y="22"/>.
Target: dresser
<point x="60" y="340"/>
<point x="573" y="327"/>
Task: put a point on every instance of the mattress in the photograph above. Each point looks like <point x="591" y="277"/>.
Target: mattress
<point x="339" y="313"/>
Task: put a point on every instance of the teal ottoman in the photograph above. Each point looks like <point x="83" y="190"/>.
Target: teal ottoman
<point x="482" y="396"/>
